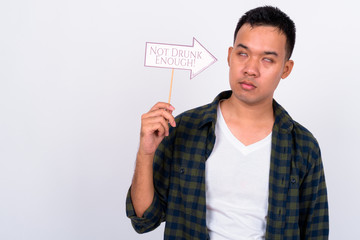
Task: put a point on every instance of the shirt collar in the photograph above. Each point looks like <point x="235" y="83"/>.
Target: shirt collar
<point x="210" y="110"/>
<point x="283" y="121"/>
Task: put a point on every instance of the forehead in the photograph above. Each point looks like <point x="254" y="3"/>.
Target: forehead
<point x="261" y="38"/>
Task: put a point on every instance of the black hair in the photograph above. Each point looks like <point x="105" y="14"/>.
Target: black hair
<point x="270" y="16"/>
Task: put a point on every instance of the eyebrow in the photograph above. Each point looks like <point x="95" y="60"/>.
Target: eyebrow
<point x="242" y="46"/>
<point x="266" y="52"/>
<point x="271" y="53"/>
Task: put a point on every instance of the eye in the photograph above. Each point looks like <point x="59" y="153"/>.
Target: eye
<point x="269" y="60"/>
<point x="242" y="54"/>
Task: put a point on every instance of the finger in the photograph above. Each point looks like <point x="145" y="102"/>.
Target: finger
<point x="163" y="105"/>
<point x="159" y="124"/>
<point x="160" y="112"/>
<point x="165" y="114"/>
<point x="160" y="129"/>
<point x="156" y="130"/>
<point x="153" y="124"/>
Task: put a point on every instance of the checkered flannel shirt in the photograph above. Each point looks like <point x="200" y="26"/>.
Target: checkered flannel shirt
<point x="298" y="207"/>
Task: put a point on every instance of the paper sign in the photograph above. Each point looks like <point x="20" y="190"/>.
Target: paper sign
<point x="194" y="58"/>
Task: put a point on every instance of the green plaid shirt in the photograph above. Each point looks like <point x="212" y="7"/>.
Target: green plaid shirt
<point x="297" y="209"/>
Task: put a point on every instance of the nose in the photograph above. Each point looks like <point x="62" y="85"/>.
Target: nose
<point x="251" y="68"/>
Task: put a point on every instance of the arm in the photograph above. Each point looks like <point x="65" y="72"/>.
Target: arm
<point x="314" y="217"/>
<point x="154" y="127"/>
<point x="142" y="187"/>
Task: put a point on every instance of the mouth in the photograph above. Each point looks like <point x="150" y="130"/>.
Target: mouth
<point x="247" y="85"/>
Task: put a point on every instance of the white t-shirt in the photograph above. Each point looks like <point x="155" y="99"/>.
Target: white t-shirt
<point x="237" y="186"/>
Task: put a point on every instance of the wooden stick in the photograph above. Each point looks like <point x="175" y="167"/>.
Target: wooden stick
<point x="172" y="77"/>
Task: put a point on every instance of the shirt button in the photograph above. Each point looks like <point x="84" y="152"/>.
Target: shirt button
<point x="293" y="180"/>
<point x="182" y="170"/>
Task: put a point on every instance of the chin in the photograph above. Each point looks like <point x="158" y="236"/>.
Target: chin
<point x="251" y="100"/>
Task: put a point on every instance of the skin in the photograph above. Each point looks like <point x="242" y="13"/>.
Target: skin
<point x="257" y="62"/>
<point x="154" y="127"/>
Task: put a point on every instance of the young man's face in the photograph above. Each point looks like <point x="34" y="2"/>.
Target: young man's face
<point x="257" y="63"/>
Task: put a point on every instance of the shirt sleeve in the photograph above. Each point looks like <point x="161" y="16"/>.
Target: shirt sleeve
<point x="156" y="213"/>
<point x="314" y="217"/>
<point x="150" y="220"/>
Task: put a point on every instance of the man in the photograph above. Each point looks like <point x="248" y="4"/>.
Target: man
<point x="239" y="167"/>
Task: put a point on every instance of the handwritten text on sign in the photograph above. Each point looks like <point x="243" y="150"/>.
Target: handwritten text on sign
<point x="195" y="58"/>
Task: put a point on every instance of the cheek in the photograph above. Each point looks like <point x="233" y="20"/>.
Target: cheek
<point x="276" y="73"/>
<point x="231" y="70"/>
<point x="234" y="74"/>
<point x="235" y="68"/>
<point x="233" y="78"/>
<point x="272" y="79"/>
<point x="275" y="81"/>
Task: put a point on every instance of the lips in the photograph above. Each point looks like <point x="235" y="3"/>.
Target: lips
<point x="247" y="85"/>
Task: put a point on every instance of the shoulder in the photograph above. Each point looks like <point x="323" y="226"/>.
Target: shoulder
<point x="202" y="115"/>
<point x="303" y="136"/>
<point x="306" y="145"/>
<point x="304" y="142"/>
<point x="194" y="115"/>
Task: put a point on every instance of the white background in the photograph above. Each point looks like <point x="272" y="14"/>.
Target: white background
<point x="73" y="86"/>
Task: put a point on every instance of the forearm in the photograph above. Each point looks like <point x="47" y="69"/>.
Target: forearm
<point x="142" y="188"/>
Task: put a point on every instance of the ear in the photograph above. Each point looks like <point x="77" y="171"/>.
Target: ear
<point x="229" y="54"/>
<point x="287" y="69"/>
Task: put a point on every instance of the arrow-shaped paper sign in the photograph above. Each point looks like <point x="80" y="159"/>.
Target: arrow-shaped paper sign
<point x="194" y="58"/>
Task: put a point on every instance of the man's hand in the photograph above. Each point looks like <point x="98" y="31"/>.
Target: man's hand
<point x="154" y="127"/>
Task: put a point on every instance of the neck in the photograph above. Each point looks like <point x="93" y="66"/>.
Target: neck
<point x="253" y="114"/>
<point x="248" y="123"/>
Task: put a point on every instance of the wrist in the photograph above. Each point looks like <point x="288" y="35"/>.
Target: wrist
<point x="145" y="157"/>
